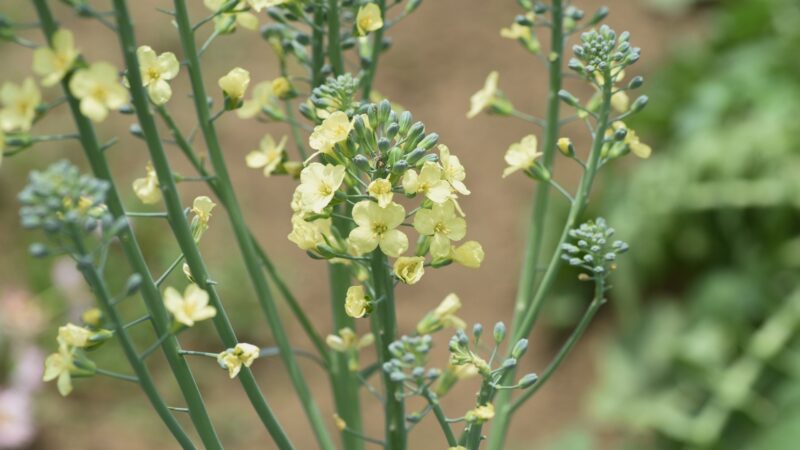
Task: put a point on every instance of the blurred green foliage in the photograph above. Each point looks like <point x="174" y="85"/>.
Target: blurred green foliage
<point x="709" y="296"/>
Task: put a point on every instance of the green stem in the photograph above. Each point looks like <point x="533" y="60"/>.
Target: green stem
<point x="149" y="291"/>
<point x="533" y="248"/>
<point x="117" y="376"/>
<point x="565" y="350"/>
<point x="177" y="219"/>
<point x="291" y="301"/>
<point x="318" y="44"/>
<point x="291" y="118"/>
<point x="433" y="400"/>
<point x="242" y="234"/>
<point x="525" y="325"/>
<point x="473" y="430"/>
<point x="385" y="326"/>
<point x="377" y="48"/>
<point x="141" y="371"/>
<point x="334" y="46"/>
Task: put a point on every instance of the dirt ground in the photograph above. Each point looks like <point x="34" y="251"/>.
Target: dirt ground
<point x="440" y="56"/>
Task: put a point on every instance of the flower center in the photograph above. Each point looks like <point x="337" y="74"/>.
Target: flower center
<point x="379" y="228"/>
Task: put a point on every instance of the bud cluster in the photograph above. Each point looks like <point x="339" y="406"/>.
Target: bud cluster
<point x="603" y="52"/>
<point x="593" y="249"/>
<point x="337" y="94"/>
<point x="409" y="356"/>
<point x="60" y="198"/>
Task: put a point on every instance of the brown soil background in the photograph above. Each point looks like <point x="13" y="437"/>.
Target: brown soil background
<point x="441" y="55"/>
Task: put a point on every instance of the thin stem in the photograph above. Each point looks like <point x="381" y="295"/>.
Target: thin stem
<point x="135" y="322"/>
<point x="177" y="219"/>
<point x="334" y="46"/>
<point x="291" y="119"/>
<point x="377" y="48"/>
<point x="385" y="326"/>
<point x="529" y="118"/>
<point x="142" y="374"/>
<point x="561" y="190"/>
<point x="242" y="234"/>
<point x="440" y="417"/>
<point x="118" y="376"/>
<point x="591" y="311"/>
<point x="169" y="270"/>
<point x="150" y="294"/>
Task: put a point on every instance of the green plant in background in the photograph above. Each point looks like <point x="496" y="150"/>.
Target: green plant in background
<point x="370" y="176"/>
<point x="709" y="360"/>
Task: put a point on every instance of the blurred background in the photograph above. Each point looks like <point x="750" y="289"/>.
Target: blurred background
<point x="698" y="347"/>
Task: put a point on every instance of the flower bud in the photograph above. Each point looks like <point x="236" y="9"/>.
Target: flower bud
<point x="519" y="348"/>
<point x="565" y="146"/>
<point x="509" y="363"/>
<point x="429" y="141"/>
<point x="636" y="82"/>
<point x="598" y="16"/>
<point x="528" y="380"/>
<point x="639" y="103"/>
<point x="38" y="250"/>
<point x="499" y="332"/>
<point x="477" y="331"/>
<point x="133" y="284"/>
<point x="404" y="122"/>
<point x="567" y="98"/>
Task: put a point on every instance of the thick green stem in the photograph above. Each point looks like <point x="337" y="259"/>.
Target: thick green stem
<point x="473" y="430"/>
<point x="345" y="382"/>
<point x="385" y="330"/>
<point x="178" y="221"/>
<point x="142" y="373"/>
<point x="591" y="311"/>
<point x="334" y="45"/>
<point x="539" y="210"/>
<point x="377" y="48"/>
<point x="502" y="416"/>
<point x="149" y="291"/>
<point x="318" y="44"/>
<point x="242" y="234"/>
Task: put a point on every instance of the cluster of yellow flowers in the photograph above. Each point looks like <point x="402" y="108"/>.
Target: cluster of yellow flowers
<point x="355" y="171"/>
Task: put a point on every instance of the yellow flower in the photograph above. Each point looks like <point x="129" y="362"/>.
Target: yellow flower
<point x="92" y="317"/>
<point x="334" y="129"/>
<point x="258" y="5"/>
<point x="156" y="70"/>
<point x="72" y="335"/>
<point x="2" y="145"/>
<point x="262" y="99"/>
<point x="637" y="147"/>
<point x="521" y="155"/>
<point x="308" y="235"/>
<point x="227" y="21"/>
<point x="378" y="227"/>
<point x="19" y="105"/>
<point x="480" y="414"/>
<point x="60" y="366"/>
<point x="452" y="170"/>
<point x="381" y="190"/>
<point x="369" y="19"/>
<point x="443" y="316"/>
<point x="190" y="307"/>
<point x="516" y="31"/>
<point x="268" y="156"/>
<point x="234" y="83"/>
<point x="201" y="207"/>
<point x="620" y="102"/>
<point x="409" y="269"/>
<point x="470" y="254"/>
<point x="429" y="182"/>
<point x="99" y="90"/>
<point x="281" y="87"/>
<point x="318" y="184"/>
<point x="356" y="303"/>
<point x="483" y="98"/>
<point x="460" y="447"/>
<point x="233" y="359"/>
<point x="443" y="224"/>
<point x="147" y="188"/>
<point x="348" y="341"/>
<point x="564" y="145"/>
<point x="53" y="63"/>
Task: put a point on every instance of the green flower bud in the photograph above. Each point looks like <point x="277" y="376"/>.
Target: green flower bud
<point x="499" y="332"/>
<point x="519" y="348"/>
<point x="528" y="380"/>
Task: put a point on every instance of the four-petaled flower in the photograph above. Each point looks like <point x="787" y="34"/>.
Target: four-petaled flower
<point x="147" y="188"/>
<point x="268" y="156"/>
<point x="190" y="307"/>
<point x="99" y="90"/>
<point x="234" y="83"/>
<point x="429" y="182"/>
<point x="60" y="366"/>
<point x="443" y="224"/>
<point x="483" y="98"/>
<point x="19" y="105"/>
<point x="156" y="71"/>
<point x="356" y="302"/>
<point x="334" y="129"/>
<point x="369" y="19"/>
<point x="233" y="359"/>
<point x="409" y="269"/>
<point x="52" y="63"/>
<point x="378" y="227"/>
<point x="521" y="155"/>
<point x="318" y="185"/>
<point x="381" y="190"/>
